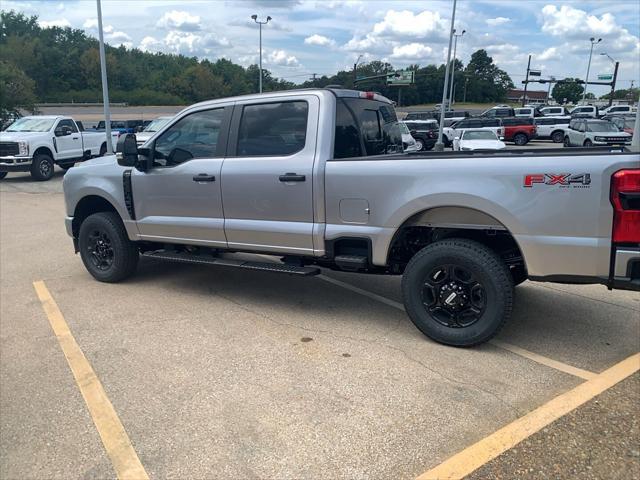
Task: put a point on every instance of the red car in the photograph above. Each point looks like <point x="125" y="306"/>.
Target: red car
<point x="519" y="130"/>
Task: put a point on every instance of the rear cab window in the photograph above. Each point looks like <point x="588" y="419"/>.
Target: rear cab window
<point x="365" y="127"/>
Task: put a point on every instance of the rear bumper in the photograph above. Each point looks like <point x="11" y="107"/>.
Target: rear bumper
<point x="626" y="268"/>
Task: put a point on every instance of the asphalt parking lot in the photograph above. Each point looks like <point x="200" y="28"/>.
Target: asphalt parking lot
<point x="224" y="373"/>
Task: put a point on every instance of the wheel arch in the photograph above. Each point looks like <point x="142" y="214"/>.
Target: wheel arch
<point x="44" y="150"/>
<point x="89" y="205"/>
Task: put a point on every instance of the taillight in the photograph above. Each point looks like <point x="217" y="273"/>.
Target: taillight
<point x="625" y="198"/>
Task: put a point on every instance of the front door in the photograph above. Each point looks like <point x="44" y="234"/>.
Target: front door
<point x="267" y="178"/>
<point x="179" y="199"/>
<point x="68" y="146"/>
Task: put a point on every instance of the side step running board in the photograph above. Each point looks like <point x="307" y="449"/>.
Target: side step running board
<point x="228" y="262"/>
<point x="351" y="263"/>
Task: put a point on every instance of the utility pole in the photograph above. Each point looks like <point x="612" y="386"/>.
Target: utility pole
<point x="551" y="80"/>
<point x="613" y="83"/>
<point x="526" y="82"/>
<point x="355" y="68"/>
<point x="453" y="69"/>
<point x="586" y="81"/>
<point x="439" y="146"/>
<point x="464" y="97"/>
<point x="255" y="19"/>
<point x="105" y="86"/>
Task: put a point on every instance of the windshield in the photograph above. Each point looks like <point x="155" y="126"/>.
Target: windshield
<point x="403" y="128"/>
<point x="601" y="127"/>
<point x="479" y="135"/>
<point x="31" y="124"/>
<point x="156" y="124"/>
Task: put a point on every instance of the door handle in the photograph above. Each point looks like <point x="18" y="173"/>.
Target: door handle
<point x="292" y="177"/>
<point x="75" y="138"/>
<point x="203" y="177"/>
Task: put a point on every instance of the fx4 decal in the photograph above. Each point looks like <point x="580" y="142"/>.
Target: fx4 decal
<point x="579" y="180"/>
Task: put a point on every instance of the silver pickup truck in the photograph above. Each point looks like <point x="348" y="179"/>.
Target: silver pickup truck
<point x="318" y="177"/>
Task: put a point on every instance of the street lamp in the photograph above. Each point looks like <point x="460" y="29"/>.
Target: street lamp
<point x="355" y="67"/>
<point x="586" y="82"/>
<point x="609" y="57"/>
<point x="255" y="19"/>
<point x="453" y="70"/>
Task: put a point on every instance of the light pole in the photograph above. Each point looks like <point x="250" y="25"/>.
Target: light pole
<point x="105" y="86"/>
<point x="355" y="69"/>
<point x="586" y="81"/>
<point x="255" y="19"/>
<point x="453" y="69"/>
<point x="615" y="76"/>
<point x="439" y="146"/>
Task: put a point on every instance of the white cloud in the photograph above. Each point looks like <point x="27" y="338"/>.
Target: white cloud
<point x="118" y="37"/>
<point x="92" y="24"/>
<point x="150" y="44"/>
<point x="179" y="20"/>
<point x="411" y="51"/>
<point x="494" y="22"/>
<point x="62" y="23"/>
<point x="320" y="40"/>
<point x="551" y="53"/>
<point x="282" y="58"/>
<point x="406" y="24"/>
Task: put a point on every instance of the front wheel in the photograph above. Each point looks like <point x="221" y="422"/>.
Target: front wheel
<point x="458" y="292"/>
<point x="557" y="137"/>
<point x="42" y="167"/>
<point x="105" y="248"/>
<point x="588" y="143"/>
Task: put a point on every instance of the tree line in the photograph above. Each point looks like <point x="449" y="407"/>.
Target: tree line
<point x="56" y="64"/>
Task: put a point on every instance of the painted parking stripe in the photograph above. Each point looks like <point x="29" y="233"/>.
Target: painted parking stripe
<point x="541" y="359"/>
<point x="114" y="437"/>
<point x="482" y="452"/>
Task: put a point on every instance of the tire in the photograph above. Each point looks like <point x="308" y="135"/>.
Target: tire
<point x="420" y="144"/>
<point x="446" y="141"/>
<point x="482" y="285"/>
<point x="557" y="137"/>
<point x="42" y="167"/>
<point x="567" y="142"/>
<point x="2" y="175"/>
<point x="103" y="150"/>
<point x="520" y="139"/>
<point x="588" y="143"/>
<point x="105" y="249"/>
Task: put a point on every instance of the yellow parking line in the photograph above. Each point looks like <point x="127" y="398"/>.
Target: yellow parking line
<point x="114" y="437"/>
<point x="473" y="457"/>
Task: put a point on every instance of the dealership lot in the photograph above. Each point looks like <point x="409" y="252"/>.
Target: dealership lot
<point x="251" y="374"/>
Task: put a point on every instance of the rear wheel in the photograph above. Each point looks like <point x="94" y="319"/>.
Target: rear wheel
<point x="588" y="143"/>
<point x="520" y="139"/>
<point x="567" y="142"/>
<point x="103" y="150"/>
<point x="557" y="137"/>
<point x="458" y="292"/>
<point x="42" y="167"/>
<point x="2" y="175"/>
<point x="419" y="144"/>
<point x="105" y="248"/>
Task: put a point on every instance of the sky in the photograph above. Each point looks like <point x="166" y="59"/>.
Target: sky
<point x="323" y="36"/>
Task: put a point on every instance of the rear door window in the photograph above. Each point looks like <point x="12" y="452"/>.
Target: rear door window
<point x="273" y="129"/>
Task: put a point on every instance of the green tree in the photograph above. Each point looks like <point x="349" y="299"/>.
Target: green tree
<point x="567" y="92"/>
<point x="487" y="83"/>
<point x="16" y="90"/>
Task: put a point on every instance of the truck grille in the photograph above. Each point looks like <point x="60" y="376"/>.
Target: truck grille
<point x="8" y="148"/>
<point x="617" y="139"/>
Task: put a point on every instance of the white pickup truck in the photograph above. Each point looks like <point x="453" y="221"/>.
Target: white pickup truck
<point x="35" y="143"/>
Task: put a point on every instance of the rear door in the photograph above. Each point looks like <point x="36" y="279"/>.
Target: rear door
<point x="267" y="177"/>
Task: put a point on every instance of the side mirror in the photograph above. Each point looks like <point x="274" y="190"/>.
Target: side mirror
<point x="127" y="150"/>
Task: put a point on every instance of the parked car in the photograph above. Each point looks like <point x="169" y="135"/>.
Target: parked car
<point x="151" y="129"/>
<point x="553" y="111"/>
<point x="477" y="140"/>
<point x="619" y="110"/>
<point x="452" y="116"/>
<point x="624" y="123"/>
<point x="425" y="133"/>
<point x="430" y="115"/>
<point x="529" y="112"/>
<point x="462" y="228"/>
<point x="121" y="126"/>
<point x="552" y="127"/>
<point x="519" y="130"/>
<point x="36" y="143"/>
<point x="585" y="111"/>
<point x="583" y="132"/>
<point x="409" y="143"/>
<point x="493" y="124"/>
<point x="498" y="112"/>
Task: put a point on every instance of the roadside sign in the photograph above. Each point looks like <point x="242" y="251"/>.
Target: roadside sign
<point x="605" y="76"/>
<point x="535" y="73"/>
<point x="400" y="77"/>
